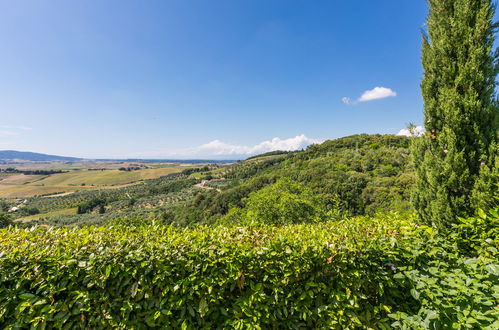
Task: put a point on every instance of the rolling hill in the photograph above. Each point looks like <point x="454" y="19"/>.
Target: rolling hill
<point x="10" y="155"/>
<point x="33" y="156"/>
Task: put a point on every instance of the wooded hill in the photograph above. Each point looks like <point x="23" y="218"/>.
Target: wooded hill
<point x="357" y="175"/>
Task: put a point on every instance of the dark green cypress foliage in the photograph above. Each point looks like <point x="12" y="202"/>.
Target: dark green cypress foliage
<point x="456" y="160"/>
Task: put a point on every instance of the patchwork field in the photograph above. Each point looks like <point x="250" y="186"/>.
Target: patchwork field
<point x="22" y="191"/>
<point x="18" y="179"/>
<point x="20" y="185"/>
<point x="46" y="215"/>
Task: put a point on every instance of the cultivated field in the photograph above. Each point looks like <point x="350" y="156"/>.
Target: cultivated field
<point x="20" y="185"/>
<point x="46" y="215"/>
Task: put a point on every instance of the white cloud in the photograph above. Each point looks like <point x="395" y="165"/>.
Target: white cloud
<point x="416" y="131"/>
<point x="373" y="94"/>
<point x="346" y="100"/>
<point x="377" y="93"/>
<point x="217" y="147"/>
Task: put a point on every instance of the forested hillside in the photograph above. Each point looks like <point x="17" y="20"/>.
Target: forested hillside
<point x="355" y="175"/>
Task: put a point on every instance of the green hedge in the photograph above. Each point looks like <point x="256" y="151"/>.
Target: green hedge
<point x="350" y="274"/>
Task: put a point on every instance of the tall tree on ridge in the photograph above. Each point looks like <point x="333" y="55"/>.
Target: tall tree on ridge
<point x="456" y="160"/>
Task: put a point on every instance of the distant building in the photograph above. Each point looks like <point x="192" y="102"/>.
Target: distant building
<point x="14" y="209"/>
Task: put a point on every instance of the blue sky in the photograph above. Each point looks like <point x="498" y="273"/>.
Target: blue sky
<point x="191" y="79"/>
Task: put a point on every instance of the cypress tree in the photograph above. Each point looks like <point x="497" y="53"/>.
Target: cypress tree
<point x="456" y="159"/>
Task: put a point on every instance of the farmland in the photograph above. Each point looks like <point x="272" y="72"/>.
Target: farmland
<point x="22" y="186"/>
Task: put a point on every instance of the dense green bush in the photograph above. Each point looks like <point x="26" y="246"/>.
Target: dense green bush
<point x="4" y="206"/>
<point x="284" y="202"/>
<point x="352" y="273"/>
<point x="111" y="277"/>
<point x="27" y="211"/>
<point x="4" y="220"/>
<point x="453" y="275"/>
<point x="90" y="205"/>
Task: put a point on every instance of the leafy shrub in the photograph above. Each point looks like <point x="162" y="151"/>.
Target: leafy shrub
<point x="284" y="202"/>
<point x="90" y="205"/>
<point x="27" y="211"/>
<point x="455" y="277"/>
<point x="4" y="220"/>
<point x="293" y="276"/>
<point x="4" y="206"/>
<point x="352" y="273"/>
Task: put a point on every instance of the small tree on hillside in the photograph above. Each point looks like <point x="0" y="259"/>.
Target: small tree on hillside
<point x="5" y="220"/>
<point x="456" y="160"/>
<point x="282" y="203"/>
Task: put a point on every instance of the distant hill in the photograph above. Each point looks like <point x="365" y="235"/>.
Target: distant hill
<point x="10" y="155"/>
<point x="32" y="156"/>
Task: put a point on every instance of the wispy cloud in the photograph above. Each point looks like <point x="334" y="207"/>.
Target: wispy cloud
<point x="415" y="131"/>
<point x="12" y="130"/>
<point x="373" y="94"/>
<point x="346" y="100"/>
<point x="13" y="127"/>
<point x="8" y="133"/>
